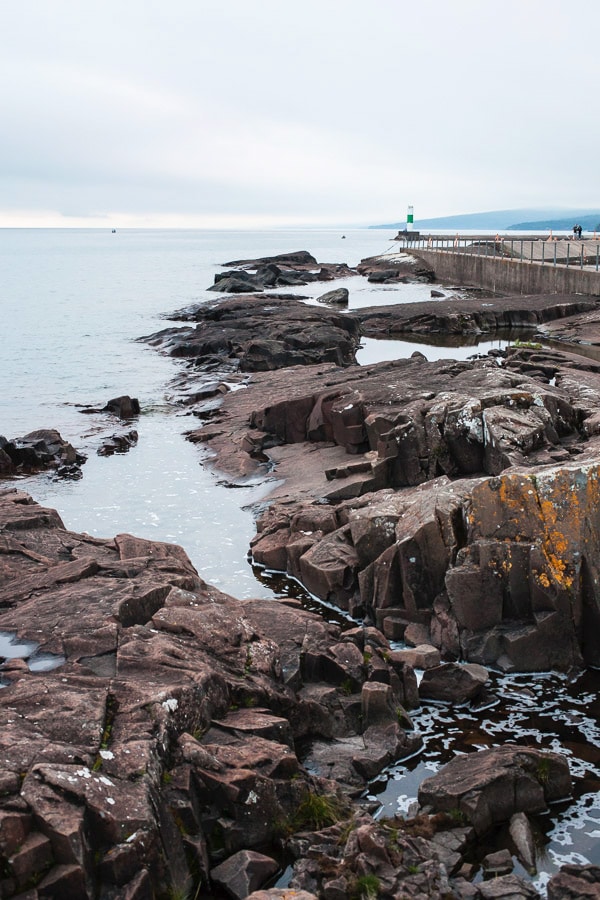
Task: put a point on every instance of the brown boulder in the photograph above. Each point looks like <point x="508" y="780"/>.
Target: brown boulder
<point x="453" y="683"/>
<point x="124" y="407"/>
<point x="489" y="786"/>
<point x="243" y="872"/>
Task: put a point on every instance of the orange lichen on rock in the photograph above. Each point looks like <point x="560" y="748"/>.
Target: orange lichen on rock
<point x="557" y="510"/>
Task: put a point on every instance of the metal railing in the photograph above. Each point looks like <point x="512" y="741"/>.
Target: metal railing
<point x="539" y="251"/>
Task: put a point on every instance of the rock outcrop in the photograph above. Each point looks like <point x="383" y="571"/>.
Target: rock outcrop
<point x="575" y="883"/>
<point x="175" y="732"/>
<point x="338" y="297"/>
<point x="420" y="857"/>
<point x="502" y="571"/>
<point x="393" y="268"/>
<point x="388" y="509"/>
<point x="261" y="333"/>
<point x="490" y="786"/>
<point x="285" y="270"/>
<point x="37" y="451"/>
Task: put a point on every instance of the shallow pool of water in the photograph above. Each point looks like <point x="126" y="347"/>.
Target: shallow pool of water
<point x="12" y="648"/>
<point x="374" y="350"/>
<point x="547" y="711"/>
<point x="162" y="490"/>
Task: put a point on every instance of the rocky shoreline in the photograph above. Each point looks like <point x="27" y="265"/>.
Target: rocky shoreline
<point x="189" y="744"/>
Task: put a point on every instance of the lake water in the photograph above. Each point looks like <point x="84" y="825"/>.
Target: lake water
<point x="73" y="303"/>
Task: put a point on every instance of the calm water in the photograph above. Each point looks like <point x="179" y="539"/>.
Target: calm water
<point x="73" y="303"/>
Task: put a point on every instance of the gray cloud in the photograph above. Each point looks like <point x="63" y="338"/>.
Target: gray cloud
<point x="331" y="111"/>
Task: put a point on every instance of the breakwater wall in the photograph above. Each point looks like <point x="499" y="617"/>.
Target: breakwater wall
<point x="515" y="276"/>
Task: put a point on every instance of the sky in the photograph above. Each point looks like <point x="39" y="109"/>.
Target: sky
<point x="252" y="113"/>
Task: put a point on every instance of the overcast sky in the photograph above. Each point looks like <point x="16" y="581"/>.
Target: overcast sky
<point x="226" y="113"/>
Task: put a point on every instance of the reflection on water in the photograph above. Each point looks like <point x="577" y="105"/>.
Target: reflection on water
<point x="437" y="346"/>
<point x="284" y="586"/>
<point x="461" y="346"/>
<point x="588" y="350"/>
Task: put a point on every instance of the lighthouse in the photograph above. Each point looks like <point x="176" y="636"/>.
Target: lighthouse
<point x="408" y="233"/>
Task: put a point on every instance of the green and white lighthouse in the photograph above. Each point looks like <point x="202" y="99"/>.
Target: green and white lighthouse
<point x="410" y="219"/>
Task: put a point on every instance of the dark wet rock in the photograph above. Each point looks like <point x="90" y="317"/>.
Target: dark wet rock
<point x="453" y="683"/>
<point x="7" y="467"/>
<point x="489" y="786"/>
<point x="255" y="275"/>
<point x="239" y="282"/>
<point x="39" y="450"/>
<point x="335" y="298"/>
<point x="264" y="333"/>
<point x="119" y="442"/>
<point x="243" y="873"/>
<point x="575" y="882"/>
<point x="124" y="407"/>
<point x="296" y="258"/>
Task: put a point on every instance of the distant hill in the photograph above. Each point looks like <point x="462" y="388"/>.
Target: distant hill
<point x="588" y="223"/>
<point x="508" y="220"/>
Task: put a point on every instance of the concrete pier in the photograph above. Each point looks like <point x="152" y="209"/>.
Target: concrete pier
<point x="530" y="265"/>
